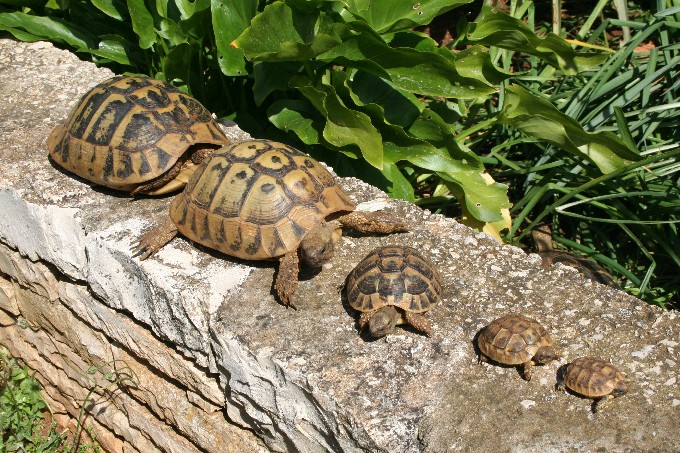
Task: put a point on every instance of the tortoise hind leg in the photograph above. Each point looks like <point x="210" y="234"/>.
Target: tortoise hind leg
<point x="373" y="222"/>
<point x="286" y="281"/>
<point x="154" y="239"/>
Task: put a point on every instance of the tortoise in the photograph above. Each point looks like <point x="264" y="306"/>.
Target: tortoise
<point x="135" y="134"/>
<point x="393" y="285"/>
<point x="263" y="200"/>
<point x="515" y="339"/>
<point x="593" y="378"/>
<point x="549" y="256"/>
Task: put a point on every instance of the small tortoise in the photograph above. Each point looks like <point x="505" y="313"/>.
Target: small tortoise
<point x="516" y="340"/>
<point x="260" y="200"/>
<point x="393" y="285"/>
<point x="593" y="378"/>
<point x="549" y="256"/>
<point x="135" y="134"/>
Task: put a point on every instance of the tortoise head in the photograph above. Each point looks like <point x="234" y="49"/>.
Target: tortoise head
<point x="621" y="388"/>
<point x="383" y="321"/>
<point x="545" y="354"/>
<point x="317" y="246"/>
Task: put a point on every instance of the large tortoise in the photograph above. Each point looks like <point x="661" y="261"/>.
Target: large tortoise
<point x="517" y="340"/>
<point x="135" y="134"/>
<point x="260" y="200"/>
<point x="393" y="285"/>
<point x="593" y="378"/>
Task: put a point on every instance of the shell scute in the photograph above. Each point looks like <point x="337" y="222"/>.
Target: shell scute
<point x="592" y="377"/>
<point x="513" y="339"/>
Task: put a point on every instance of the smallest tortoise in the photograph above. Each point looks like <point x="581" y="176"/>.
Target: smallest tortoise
<point x="393" y="285"/>
<point x="516" y="340"/>
<point x="593" y="378"/>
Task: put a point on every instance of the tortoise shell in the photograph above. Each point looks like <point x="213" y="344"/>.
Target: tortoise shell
<point x="128" y="131"/>
<point x="394" y="276"/>
<point x="256" y="200"/>
<point x="513" y="339"/>
<point x="591" y="377"/>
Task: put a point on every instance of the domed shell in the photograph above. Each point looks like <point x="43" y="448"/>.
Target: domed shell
<point x="512" y="339"/>
<point x="130" y="130"/>
<point x="587" y="268"/>
<point x="256" y="200"/>
<point x="592" y="377"/>
<point x="394" y="275"/>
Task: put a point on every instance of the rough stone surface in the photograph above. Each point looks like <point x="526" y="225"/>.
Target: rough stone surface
<point x="206" y="329"/>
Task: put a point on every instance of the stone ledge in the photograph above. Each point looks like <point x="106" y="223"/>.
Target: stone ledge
<point x="305" y="380"/>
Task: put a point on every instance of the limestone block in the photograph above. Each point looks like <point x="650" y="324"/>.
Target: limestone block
<point x="306" y="380"/>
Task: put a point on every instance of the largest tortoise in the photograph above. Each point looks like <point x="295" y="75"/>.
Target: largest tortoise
<point x="135" y="134"/>
<point x="260" y="200"/>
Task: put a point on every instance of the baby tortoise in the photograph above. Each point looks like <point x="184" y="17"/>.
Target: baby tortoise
<point x="593" y="378"/>
<point x="549" y="256"/>
<point x="135" y="134"/>
<point x="393" y="285"/>
<point x="516" y="340"/>
<point x="262" y="200"/>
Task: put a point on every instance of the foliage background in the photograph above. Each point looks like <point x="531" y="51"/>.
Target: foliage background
<point x="506" y="127"/>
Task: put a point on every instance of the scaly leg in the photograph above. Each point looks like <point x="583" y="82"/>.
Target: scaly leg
<point x="373" y="222"/>
<point x="154" y="239"/>
<point x="286" y="281"/>
<point x="420" y="322"/>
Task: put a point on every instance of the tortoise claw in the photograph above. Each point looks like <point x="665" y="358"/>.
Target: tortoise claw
<point x="153" y="240"/>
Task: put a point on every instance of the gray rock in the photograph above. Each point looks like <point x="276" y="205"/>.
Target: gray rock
<point x="306" y="380"/>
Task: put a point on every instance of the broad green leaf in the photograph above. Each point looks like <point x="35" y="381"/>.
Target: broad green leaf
<point x="475" y="63"/>
<point x="178" y="62"/>
<point x="399" y="187"/>
<point x="142" y="23"/>
<point x="395" y="15"/>
<point x="47" y="28"/>
<point x="395" y="106"/>
<point x="408" y="69"/>
<point x="230" y="18"/>
<point x="344" y="127"/>
<point x="299" y="117"/>
<point x="111" y="8"/>
<point x="280" y="33"/>
<point x="538" y="118"/>
<point x="495" y="28"/>
<point x="114" y="48"/>
<point x="188" y="8"/>
<point x="272" y="76"/>
<point x="172" y="32"/>
<point x="20" y="34"/>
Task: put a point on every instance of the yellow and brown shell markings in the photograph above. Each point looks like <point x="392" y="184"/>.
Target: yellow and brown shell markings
<point x="135" y="134"/>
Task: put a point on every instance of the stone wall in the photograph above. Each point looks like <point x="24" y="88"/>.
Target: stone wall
<point x="217" y="365"/>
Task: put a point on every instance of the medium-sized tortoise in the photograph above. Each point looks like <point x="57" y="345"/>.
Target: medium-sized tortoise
<point x="549" y="256"/>
<point x="593" y="378"/>
<point x="393" y="285"/>
<point x="135" y="134"/>
<point x="262" y="200"/>
<point x="516" y="340"/>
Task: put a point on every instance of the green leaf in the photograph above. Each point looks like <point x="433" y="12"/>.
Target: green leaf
<point x="280" y="33"/>
<point x="495" y="28"/>
<point x="47" y="28"/>
<point x="395" y="15"/>
<point x="114" y="47"/>
<point x="110" y="7"/>
<point x="538" y="118"/>
<point x="230" y="18"/>
<point x="178" y="62"/>
<point x="272" y="76"/>
<point x="299" y="117"/>
<point x="172" y="32"/>
<point x="400" y="187"/>
<point x="344" y="127"/>
<point x="475" y="63"/>
<point x="188" y="8"/>
<point x="142" y="23"/>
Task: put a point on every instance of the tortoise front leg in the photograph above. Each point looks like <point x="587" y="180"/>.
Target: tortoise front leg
<point x="525" y="370"/>
<point x="154" y="239"/>
<point x="419" y="322"/>
<point x="286" y="281"/>
<point x="373" y="222"/>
